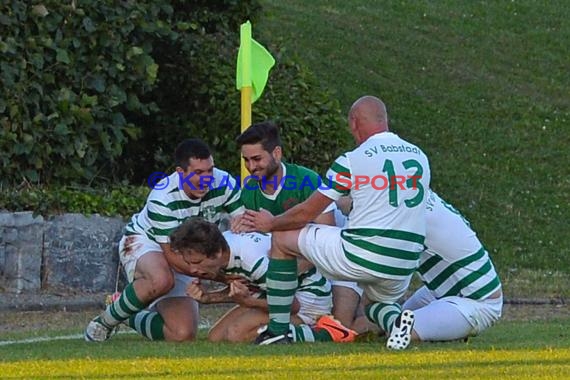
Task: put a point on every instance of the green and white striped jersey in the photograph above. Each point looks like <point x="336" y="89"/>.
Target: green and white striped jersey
<point x="168" y="206"/>
<point x="387" y="179"/>
<point x="454" y="263"/>
<point x="249" y="258"/>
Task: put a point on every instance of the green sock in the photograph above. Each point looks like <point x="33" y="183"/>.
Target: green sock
<point x="383" y="314"/>
<point x="149" y="324"/>
<point x="126" y="305"/>
<point x="281" y="286"/>
<point x="304" y="333"/>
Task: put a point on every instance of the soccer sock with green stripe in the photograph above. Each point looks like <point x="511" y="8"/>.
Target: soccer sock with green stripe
<point x="126" y="305"/>
<point x="304" y="333"/>
<point x="281" y="286"/>
<point x="149" y="324"/>
<point x="383" y="314"/>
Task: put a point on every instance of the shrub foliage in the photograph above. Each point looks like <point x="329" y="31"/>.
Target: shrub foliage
<point x="99" y="91"/>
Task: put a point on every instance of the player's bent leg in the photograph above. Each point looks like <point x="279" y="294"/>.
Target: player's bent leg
<point x="284" y="244"/>
<point x="146" y="286"/>
<point x="387" y="313"/>
<point x="219" y="330"/>
<point x="244" y="328"/>
<point x="361" y="323"/>
<point x="153" y="277"/>
<point x="441" y="321"/>
<point x="345" y="303"/>
<point x="282" y="283"/>
<point x="459" y="317"/>
<point x="240" y="324"/>
<point x="421" y="297"/>
<point x="181" y="317"/>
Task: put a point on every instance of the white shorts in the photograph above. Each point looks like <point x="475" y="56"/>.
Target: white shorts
<point x="312" y="306"/>
<point x="322" y="245"/>
<point x="132" y="248"/>
<point x="481" y="314"/>
<point x="350" y="285"/>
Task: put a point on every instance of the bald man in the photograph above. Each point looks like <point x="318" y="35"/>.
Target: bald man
<point x="379" y="247"/>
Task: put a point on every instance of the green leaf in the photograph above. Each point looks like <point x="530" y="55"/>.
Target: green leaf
<point x="118" y="119"/>
<point x="52" y="116"/>
<point x="61" y="129"/>
<point x="152" y="72"/>
<point x="38" y="118"/>
<point x="37" y="60"/>
<point x="116" y="96"/>
<point x="88" y="101"/>
<point x="88" y="25"/>
<point x="31" y="175"/>
<point x="5" y="20"/>
<point x="96" y="83"/>
<point x="133" y="102"/>
<point x="134" y="51"/>
<point x="61" y="56"/>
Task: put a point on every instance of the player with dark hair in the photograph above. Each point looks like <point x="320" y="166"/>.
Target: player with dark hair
<point x="387" y="178"/>
<point x="154" y="303"/>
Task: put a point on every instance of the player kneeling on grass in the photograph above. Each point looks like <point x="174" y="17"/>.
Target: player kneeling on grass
<point x="461" y="295"/>
<point x="154" y="303"/>
<point x="244" y="258"/>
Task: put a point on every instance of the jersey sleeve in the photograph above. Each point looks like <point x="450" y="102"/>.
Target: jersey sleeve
<point x="317" y="182"/>
<point x="338" y="179"/>
<point x="233" y="204"/>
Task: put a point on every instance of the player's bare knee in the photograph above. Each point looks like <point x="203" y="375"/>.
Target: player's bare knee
<point x="235" y="336"/>
<point x="216" y="335"/>
<point x="183" y="334"/>
<point x="161" y="284"/>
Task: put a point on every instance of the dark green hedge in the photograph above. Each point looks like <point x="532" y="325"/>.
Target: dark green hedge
<point x="99" y="92"/>
<point x="117" y="201"/>
<point x="69" y="73"/>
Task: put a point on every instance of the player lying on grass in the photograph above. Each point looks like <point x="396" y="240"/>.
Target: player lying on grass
<point x="461" y="295"/>
<point x="208" y="253"/>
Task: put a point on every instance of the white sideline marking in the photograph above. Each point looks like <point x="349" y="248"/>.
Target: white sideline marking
<point x="41" y="339"/>
<point x="202" y="326"/>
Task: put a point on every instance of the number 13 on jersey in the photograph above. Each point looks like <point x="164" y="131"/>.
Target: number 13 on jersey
<point x="400" y="182"/>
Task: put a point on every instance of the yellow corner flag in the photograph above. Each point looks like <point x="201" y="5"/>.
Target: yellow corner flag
<point x="253" y="63"/>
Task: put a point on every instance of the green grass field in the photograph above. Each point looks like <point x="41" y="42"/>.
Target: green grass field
<point x="537" y="350"/>
<point x="481" y="86"/>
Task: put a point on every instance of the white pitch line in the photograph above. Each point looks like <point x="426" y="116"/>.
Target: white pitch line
<point x="41" y="339"/>
<point x="202" y="326"/>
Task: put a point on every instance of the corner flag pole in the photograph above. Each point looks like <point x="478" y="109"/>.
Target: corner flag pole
<point x="245" y="50"/>
<point x="253" y="65"/>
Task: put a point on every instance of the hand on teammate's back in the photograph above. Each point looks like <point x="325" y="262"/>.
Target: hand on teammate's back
<point x="237" y="225"/>
<point x="258" y="220"/>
